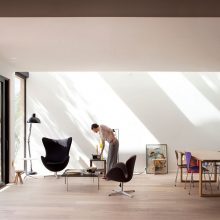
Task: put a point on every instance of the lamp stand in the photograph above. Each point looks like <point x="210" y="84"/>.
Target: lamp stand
<point x="29" y="151"/>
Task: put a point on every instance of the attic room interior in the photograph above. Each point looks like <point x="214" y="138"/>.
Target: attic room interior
<point x="113" y="91"/>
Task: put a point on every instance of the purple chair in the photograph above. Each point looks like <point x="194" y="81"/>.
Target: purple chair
<point x="192" y="168"/>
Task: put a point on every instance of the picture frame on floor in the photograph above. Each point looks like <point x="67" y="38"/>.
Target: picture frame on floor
<point x="156" y="159"/>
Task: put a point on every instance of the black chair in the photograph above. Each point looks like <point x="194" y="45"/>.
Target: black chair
<point x="122" y="172"/>
<point x="57" y="153"/>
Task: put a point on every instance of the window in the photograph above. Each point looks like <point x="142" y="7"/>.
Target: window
<point x="20" y="121"/>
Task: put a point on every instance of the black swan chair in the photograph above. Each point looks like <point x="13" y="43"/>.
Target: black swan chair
<point x="57" y="153"/>
<point x="122" y="172"/>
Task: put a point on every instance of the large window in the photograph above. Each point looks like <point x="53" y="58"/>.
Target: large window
<point x="20" y="120"/>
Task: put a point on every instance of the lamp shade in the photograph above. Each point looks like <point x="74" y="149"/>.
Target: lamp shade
<point x="33" y="119"/>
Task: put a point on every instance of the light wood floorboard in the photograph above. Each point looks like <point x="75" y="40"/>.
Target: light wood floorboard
<point x="155" y="198"/>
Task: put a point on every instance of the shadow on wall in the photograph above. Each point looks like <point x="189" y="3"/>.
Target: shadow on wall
<point x="70" y="103"/>
<point x="180" y="109"/>
<point x="57" y="106"/>
<point x="146" y="107"/>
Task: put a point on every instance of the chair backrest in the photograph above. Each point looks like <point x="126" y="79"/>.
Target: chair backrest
<point x="130" y="166"/>
<point x="177" y="157"/>
<point x="188" y="156"/>
<point x="57" y="149"/>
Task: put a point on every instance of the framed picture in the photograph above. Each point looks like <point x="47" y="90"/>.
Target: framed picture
<point x="156" y="158"/>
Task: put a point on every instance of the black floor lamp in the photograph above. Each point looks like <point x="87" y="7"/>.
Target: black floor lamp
<point x="31" y="120"/>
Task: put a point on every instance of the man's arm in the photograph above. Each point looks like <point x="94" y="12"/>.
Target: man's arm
<point x="102" y="146"/>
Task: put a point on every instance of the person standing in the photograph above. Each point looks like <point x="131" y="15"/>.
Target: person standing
<point x="107" y="134"/>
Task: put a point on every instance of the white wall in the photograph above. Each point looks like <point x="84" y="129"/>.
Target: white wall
<point x="125" y="44"/>
<point x="178" y="109"/>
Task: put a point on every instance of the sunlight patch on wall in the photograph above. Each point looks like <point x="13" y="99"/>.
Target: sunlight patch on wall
<point x="188" y="99"/>
<point x="209" y="83"/>
<point x="94" y="101"/>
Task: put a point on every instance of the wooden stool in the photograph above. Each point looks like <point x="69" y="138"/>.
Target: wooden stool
<point x="18" y="176"/>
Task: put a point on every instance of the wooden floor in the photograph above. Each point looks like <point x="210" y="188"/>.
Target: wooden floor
<point x="155" y="198"/>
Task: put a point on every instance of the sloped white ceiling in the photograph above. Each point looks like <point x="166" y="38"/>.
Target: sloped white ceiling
<point x="108" y="44"/>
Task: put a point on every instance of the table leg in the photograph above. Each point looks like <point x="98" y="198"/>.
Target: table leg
<point x="215" y="172"/>
<point x="104" y="168"/>
<point x="67" y="183"/>
<point x="181" y="169"/>
<point x="200" y="178"/>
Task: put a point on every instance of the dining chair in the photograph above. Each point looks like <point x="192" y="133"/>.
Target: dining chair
<point x="192" y="167"/>
<point x="218" y="172"/>
<point x="216" y="169"/>
<point x="179" y="165"/>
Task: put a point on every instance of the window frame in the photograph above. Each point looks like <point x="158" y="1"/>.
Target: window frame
<point x="4" y="130"/>
<point x="24" y="76"/>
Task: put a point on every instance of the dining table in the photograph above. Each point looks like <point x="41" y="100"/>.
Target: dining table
<point x="204" y="157"/>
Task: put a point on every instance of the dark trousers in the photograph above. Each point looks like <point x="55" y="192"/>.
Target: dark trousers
<point x="112" y="154"/>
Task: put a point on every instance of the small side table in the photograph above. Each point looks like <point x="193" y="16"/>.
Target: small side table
<point x="18" y="177"/>
<point x="99" y="160"/>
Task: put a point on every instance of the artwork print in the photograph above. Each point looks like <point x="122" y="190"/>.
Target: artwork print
<point x="156" y="158"/>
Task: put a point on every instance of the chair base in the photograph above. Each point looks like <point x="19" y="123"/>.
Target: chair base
<point x="55" y="175"/>
<point x="121" y="192"/>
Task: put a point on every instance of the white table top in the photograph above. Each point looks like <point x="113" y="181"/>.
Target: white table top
<point x="205" y="155"/>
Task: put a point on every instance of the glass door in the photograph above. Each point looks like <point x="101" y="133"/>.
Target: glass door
<point x="20" y="121"/>
<point x="4" y="131"/>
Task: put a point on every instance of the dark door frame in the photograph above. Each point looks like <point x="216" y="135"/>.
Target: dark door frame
<point x="5" y="129"/>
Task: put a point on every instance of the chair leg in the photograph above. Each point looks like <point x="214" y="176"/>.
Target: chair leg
<point x="210" y="182"/>
<point x="120" y="192"/>
<point x="55" y="174"/>
<point x="218" y="172"/>
<point x="212" y="168"/>
<point x="177" y="171"/>
<point x="218" y="181"/>
<point x="191" y="179"/>
<point x="205" y="180"/>
<point x="186" y="180"/>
